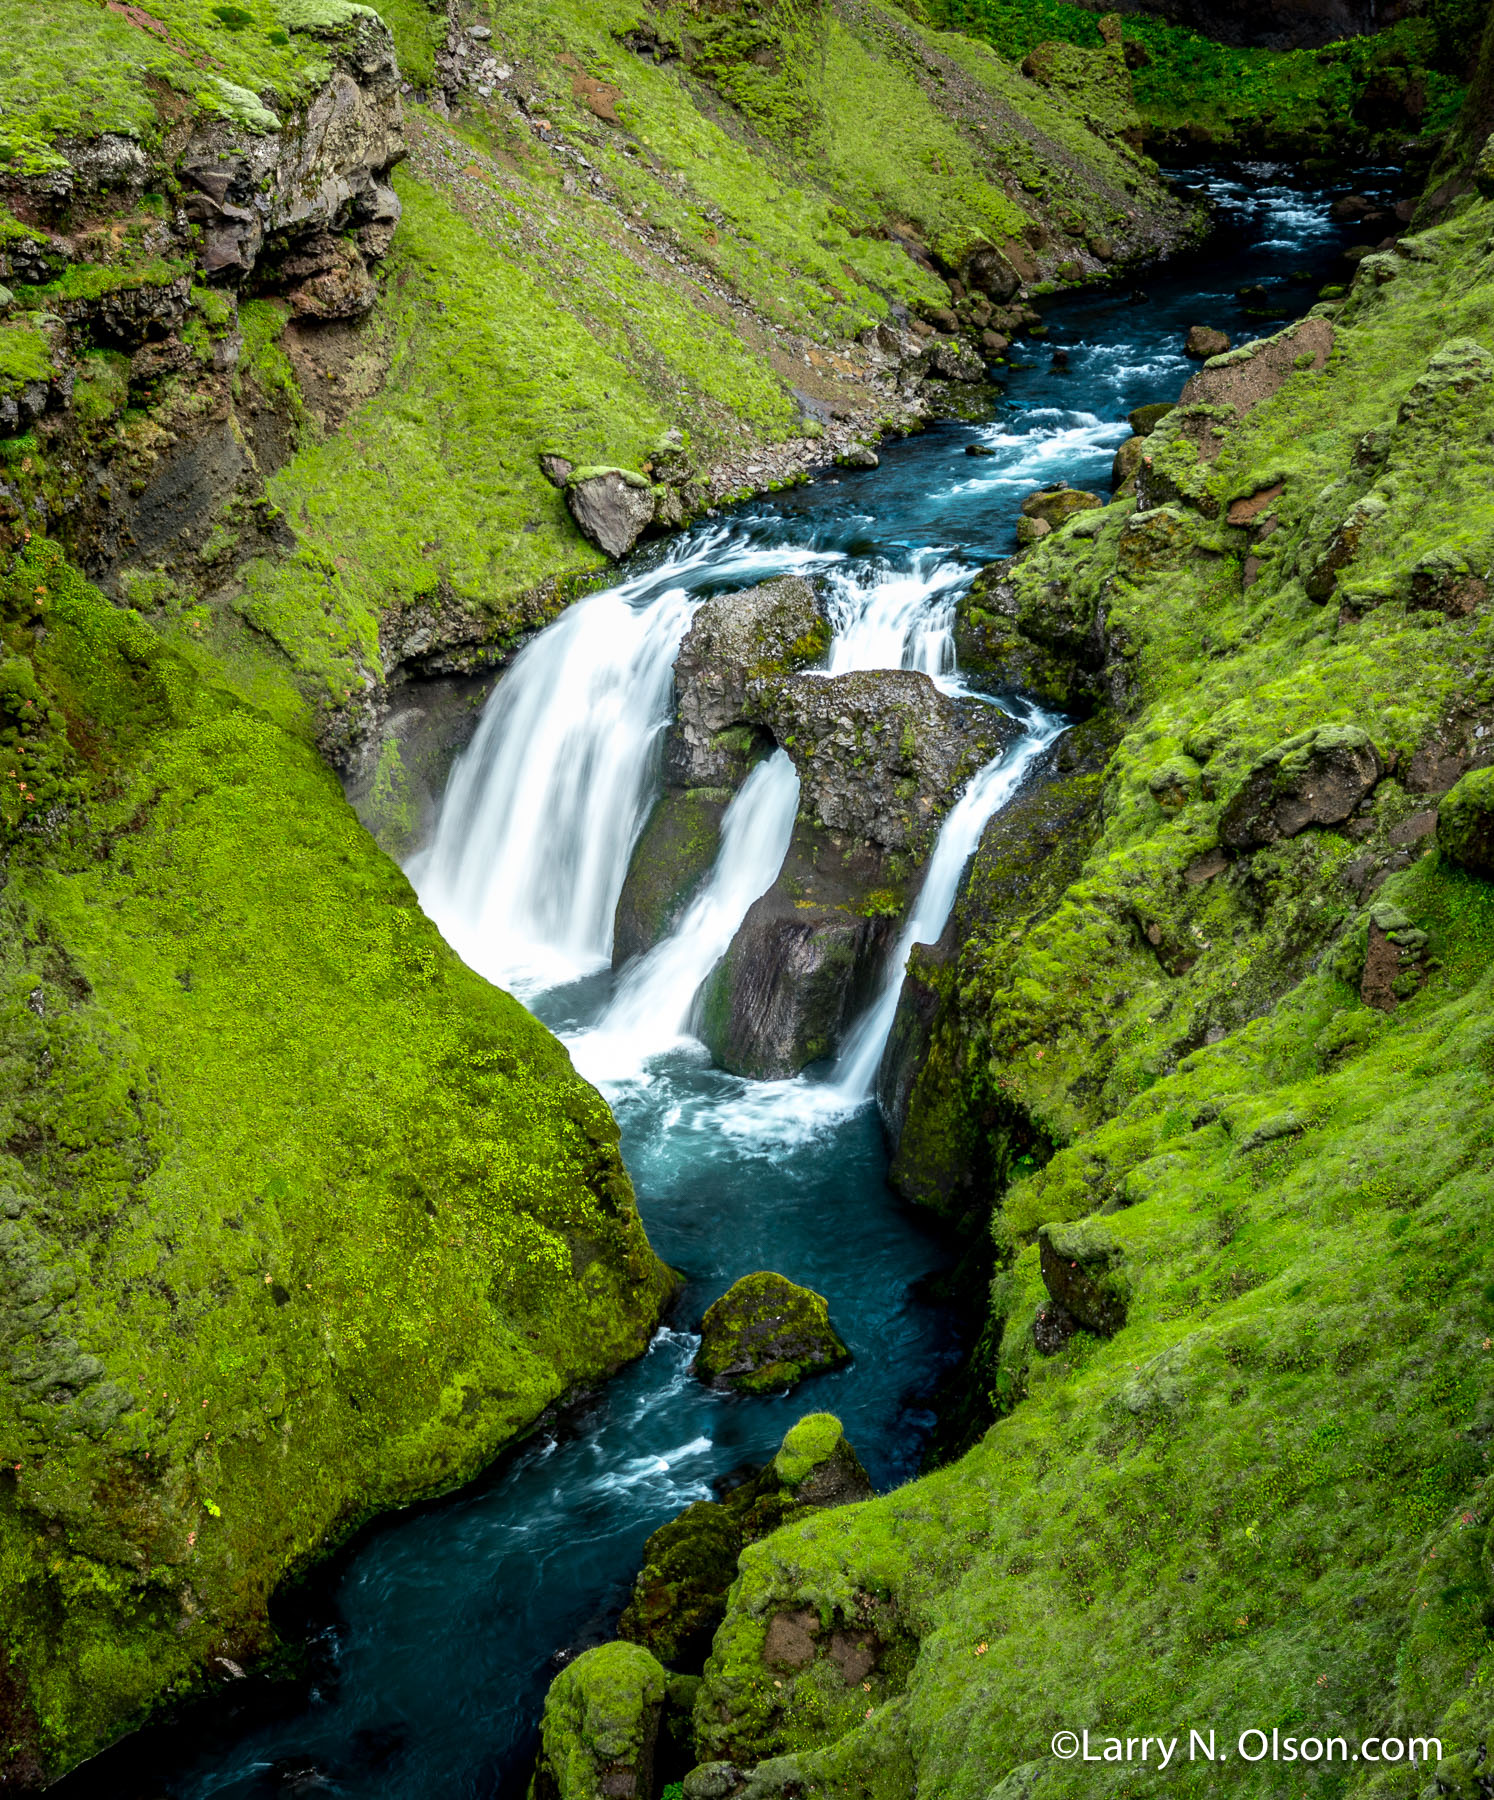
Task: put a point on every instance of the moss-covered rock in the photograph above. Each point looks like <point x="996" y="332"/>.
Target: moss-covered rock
<point x="600" y="1727"/>
<point x="679" y="1597"/>
<point x="766" y="1332"/>
<point x="675" y="852"/>
<point x="1465" y="823"/>
<point x="735" y="642"/>
<point x="303" y="1220"/>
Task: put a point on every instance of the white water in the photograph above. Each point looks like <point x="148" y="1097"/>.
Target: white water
<point x="651" y="1012"/>
<point x="540" y="814"/>
<point x="888" y="618"/>
<point x="992" y="786"/>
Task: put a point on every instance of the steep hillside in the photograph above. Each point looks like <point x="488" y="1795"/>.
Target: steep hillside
<point x="1213" y="1030"/>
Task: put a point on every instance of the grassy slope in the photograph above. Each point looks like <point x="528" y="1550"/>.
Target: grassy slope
<point x="1263" y="1502"/>
<point x="1191" y="90"/>
<point x="523" y="316"/>
<point x="305" y="1218"/>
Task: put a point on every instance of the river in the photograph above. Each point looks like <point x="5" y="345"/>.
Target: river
<point x="435" y="1633"/>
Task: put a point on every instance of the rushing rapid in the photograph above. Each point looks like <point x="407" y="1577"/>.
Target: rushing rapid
<point x="435" y="1635"/>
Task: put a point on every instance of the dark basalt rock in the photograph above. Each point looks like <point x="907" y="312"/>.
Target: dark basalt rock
<point x="881" y="753"/>
<point x="1317" y="777"/>
<point x="1465" y="823"/>
<point x="613" y="507"/>
<point x="881" y="757"/>
<point x="734" y="642"/>
<point x="795" y="977"/>
<point x="767" y="1332"/>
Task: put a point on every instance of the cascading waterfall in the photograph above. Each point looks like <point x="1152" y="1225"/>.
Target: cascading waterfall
<point x="889" y="618"/>
<point x="990" y="789"/>
<point x="650" y="1013"/>
<point x="541" y="812"/>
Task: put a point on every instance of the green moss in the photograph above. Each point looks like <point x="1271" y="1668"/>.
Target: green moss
<point x="1465" y="823"/>
<point x="25" y="355"/>
<point x="1307" y="102"/>
<point x="807" y="1444"/>
<point x="602" y="1710"/>
<point x="766" y="1333"/>
<point x="324" y="1219"/>
<point x="92" y="70"/>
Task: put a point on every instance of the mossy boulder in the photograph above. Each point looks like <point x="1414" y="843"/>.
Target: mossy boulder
<point x="601" y="1726"/>
<point x="1144" y="420"/>
<point x="734" y="642"/>
<point x="816" y="1466"/>
<point x="767" y="1332"/>
<point x="679" y="1596"/>
<point x="1465" y="823"/>
<point x="1056" y="506"/>
<point x="1203" y="341"/>
<point x="680" y="1593"/>
<point x="1316" y="777"/>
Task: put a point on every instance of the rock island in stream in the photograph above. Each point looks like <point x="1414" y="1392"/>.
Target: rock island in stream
<point x="766" y="1332"/>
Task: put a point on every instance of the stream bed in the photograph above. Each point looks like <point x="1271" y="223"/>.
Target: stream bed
<point x="436" y="1632"/>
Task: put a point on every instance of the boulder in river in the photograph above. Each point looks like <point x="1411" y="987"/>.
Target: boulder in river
<point x="613" y="507"/>
<point x="600" y="1727"/>
<point x="767" y="1332"/>
<point x="679" y="1596"/>
<point x="1465" y="823"/>
<point x="734" y="641"/>
<point x="1056" y="506"/>
<point x="1203" y="342"/>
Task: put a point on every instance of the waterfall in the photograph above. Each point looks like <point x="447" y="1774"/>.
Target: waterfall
<point x="651" y="1010"/>
<point x="856" y="1068"/>
<point x="890" y="618"/>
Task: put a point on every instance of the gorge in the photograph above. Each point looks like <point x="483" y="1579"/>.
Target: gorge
<point x="1028" y="884"/>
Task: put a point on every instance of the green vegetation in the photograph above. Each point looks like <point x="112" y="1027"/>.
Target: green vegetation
<point x="1262" y="1501"/>
<point x="1192" y="91"/>
<point x="301" y="1219"/>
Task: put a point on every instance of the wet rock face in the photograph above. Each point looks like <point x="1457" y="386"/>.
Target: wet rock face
<point x="1315" y="778"/>
<point x="796" y="976"/>
<point x="613" y="507"/>
<point x="674" y="853"/>
<point x="1465" y="823"/>
<point x="766" y="1332"/>
<point x="735" y="641"/>
<point x="881" y="753"/>
<point x="600" y="1727"/>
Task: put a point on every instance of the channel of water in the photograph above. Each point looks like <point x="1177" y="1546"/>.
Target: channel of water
<point x="434" y="1635"/>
